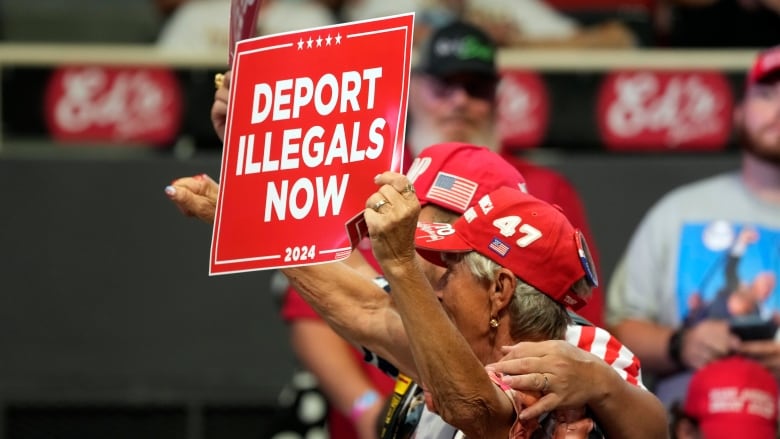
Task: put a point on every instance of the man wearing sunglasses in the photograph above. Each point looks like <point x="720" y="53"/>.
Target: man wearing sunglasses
<point x="452" y="89"/>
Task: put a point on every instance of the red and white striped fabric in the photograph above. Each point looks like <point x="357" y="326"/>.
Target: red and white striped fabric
<point x="604" y="345"/>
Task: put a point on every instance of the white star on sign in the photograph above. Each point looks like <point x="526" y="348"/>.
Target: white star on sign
<point x="327" y="40"/>
<point x="338" y="38"/>
<point x="308" y="43"/>
<point x="300" y="44"/>
<point x="319" y="41"/>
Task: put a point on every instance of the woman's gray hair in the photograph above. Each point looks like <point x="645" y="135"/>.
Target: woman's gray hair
<point x="535" y="316"/>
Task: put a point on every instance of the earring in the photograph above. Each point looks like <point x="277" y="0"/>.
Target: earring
<point x="493" y="322"/>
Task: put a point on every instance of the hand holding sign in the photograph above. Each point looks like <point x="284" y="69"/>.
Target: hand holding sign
<point x="219" y="108"/>
<point x="305" y="138"/>
<point x="391" y="217"/>
<point x="195" y="196"/>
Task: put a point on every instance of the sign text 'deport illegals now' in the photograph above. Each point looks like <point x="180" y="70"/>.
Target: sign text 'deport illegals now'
<point x="314" y="115"/>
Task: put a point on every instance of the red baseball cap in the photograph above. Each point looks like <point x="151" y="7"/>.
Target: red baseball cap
<point x="518" y="231"/>
<point x="767" y="62"/>
<point x="733" y="397"/>
<point x="452" y="175"/>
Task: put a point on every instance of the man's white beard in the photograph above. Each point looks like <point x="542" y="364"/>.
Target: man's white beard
<point x="421" y="138"/>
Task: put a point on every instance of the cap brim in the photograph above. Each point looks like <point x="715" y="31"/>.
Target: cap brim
<point x="768" y="76"/>
<point x="433" y="239"/>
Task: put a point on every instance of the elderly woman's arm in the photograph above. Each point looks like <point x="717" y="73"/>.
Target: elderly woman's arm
<point x="342" y="293"/>
<point x="356" y="308"/>
<point x="449" y="370"/>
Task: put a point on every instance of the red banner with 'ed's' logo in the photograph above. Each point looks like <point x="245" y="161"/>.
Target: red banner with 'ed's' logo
<point x="645" y="110"/>
<point x="94" y="103"/>
<point x="314" y="115"/>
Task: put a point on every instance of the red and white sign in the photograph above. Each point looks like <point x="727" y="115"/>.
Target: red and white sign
<point x="662" y="110"/>
<point x="314" y="115"/>
<point x="113" y="104"/>
<point x="523" y="110"/>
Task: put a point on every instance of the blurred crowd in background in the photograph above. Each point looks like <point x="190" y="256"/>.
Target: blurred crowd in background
<point x="524" y="23"/>
<point x="697" y="102"/>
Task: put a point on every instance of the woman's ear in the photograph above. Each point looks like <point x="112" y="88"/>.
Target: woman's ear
<point x="504" y="287"/>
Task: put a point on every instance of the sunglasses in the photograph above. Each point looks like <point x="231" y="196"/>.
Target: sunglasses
<point x="474" y="86"/>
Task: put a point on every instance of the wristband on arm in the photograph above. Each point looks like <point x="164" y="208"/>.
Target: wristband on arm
<point x="363" y="403"/>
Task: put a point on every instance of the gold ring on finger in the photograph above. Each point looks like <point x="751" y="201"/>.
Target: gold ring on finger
<point x="379" y="204"/>
<point x="219" y="79"/>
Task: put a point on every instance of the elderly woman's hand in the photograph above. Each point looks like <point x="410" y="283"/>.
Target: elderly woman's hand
<point x="195" y="196"/>
<point x="567" y="376"/>
<point x="391" y="216"/>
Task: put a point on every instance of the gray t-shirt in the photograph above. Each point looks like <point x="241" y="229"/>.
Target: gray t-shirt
<point x="677" y="262"/>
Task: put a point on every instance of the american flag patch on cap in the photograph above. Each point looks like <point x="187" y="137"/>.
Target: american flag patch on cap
<point x="453" y="190"/>
<point x="499" y="247"/>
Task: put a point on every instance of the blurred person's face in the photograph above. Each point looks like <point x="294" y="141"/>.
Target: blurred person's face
<point x="760" y="120"/>
<point x="466" y="300"/>
<point x="458" y="108"/>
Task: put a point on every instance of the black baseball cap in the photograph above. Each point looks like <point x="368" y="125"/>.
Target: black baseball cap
<point x="458" y="47"/>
